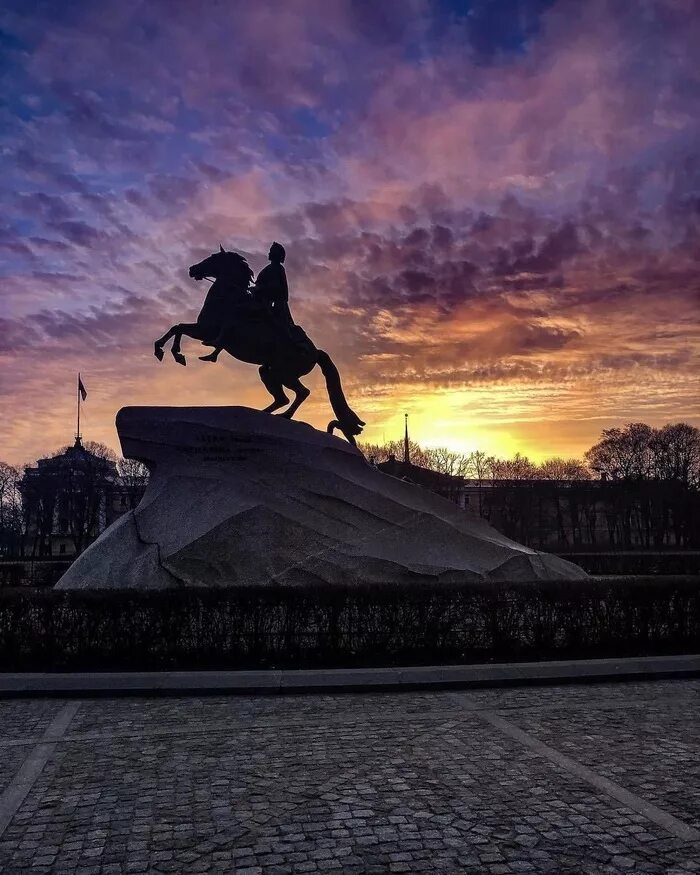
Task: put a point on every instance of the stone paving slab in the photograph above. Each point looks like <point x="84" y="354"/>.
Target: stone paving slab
<point x="662" y="753"/>
<point x="477" y="781"/>
<point x="26" y="718"/>
<point x="11" y="758"/>
<point x="13" y="685"/>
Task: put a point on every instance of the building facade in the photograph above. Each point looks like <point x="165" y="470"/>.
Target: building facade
<point x="570" y="514"/>
<point x="69" y="499"/>
<point x="446" y="485"/>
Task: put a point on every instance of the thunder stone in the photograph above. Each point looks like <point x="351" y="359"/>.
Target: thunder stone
<point x="238" y="496"/>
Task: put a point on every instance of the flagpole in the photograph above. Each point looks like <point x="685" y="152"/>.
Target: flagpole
<point x="78" y="431"/>
<point x="406" y="449"/>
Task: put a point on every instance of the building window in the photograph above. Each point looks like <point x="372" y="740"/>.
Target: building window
<point x="62" y="548"/>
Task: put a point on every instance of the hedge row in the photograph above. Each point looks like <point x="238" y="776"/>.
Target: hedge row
<point x="275" y="626"/>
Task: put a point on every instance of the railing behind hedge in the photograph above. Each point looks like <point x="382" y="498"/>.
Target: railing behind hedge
<point x="266" y="626"/>
<point x="636" y="562"/>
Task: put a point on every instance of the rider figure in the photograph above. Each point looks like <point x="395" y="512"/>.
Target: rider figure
<point x="272" y="291"/>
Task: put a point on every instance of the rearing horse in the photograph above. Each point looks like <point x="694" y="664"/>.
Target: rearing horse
<point x="250" y="335"/>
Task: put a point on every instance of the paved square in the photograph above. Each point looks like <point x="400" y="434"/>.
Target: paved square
<point x="595" y="779"/>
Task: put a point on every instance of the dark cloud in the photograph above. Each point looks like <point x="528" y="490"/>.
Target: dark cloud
<point x="557" y="247"/>
<point x="16" y="336"/>
<point x="78" y="233"/>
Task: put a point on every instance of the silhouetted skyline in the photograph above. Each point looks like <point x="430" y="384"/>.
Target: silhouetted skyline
<point x="490" y="209"/>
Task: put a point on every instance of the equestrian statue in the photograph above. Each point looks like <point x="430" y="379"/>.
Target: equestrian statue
<point x="253" y="323"/>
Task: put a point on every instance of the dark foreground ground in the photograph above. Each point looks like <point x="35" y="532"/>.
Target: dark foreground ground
<point x="590" y="779"/>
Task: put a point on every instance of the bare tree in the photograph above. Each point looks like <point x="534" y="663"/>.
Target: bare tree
<point x="133" y="476"/>
<point x="623" y="453"/>
<point x="447" y="461"/>
<point x="557" y="468"/>
<point x="480" y="467"/>
<point x="676" y="453"/>
<point x="517" y="468"/>
<point x="10" y="510"/>
<point x="480" y="464"/>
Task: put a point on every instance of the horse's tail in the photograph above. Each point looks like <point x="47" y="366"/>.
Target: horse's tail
<point x="347" y="420"/>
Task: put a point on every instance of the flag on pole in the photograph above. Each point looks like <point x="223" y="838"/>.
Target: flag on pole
<point x="81" y="388"/>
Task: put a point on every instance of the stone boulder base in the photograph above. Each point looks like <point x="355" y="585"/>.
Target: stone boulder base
<point x="237" y="496"/>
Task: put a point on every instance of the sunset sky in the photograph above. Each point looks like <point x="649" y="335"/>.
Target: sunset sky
<point x="491" y="209"/>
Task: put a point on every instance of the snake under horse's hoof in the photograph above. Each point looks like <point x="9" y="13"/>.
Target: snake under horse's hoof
<point x="158" y="352"/>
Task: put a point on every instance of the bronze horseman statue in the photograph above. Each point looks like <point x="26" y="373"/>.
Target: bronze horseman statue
<point x="254" y="324"/>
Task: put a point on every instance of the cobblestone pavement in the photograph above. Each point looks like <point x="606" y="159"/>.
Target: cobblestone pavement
<point x="594" y="779"/>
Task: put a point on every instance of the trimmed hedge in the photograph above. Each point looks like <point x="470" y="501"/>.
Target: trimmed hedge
<point x="277" y="626"/>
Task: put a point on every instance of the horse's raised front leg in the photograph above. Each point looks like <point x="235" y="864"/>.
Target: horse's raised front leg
<point x="301" y="393"/>
<point x="189" y="329"/>
<point x="160" y="343"/>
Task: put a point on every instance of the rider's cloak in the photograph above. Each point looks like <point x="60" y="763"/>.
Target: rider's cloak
<point x="272" y="290"/>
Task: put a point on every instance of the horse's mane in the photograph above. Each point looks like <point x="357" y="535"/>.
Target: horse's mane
<point x="240" y="268"/>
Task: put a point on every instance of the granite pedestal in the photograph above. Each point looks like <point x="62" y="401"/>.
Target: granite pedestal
<point x="237" y="496"/>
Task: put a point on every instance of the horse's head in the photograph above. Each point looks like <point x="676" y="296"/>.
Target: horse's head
<point x="223" y="265"/>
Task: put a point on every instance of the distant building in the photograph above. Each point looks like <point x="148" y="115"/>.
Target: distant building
<point x="69" y="499"/>
<point x="566" y="514"/>
<point x="446" y="485"/>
